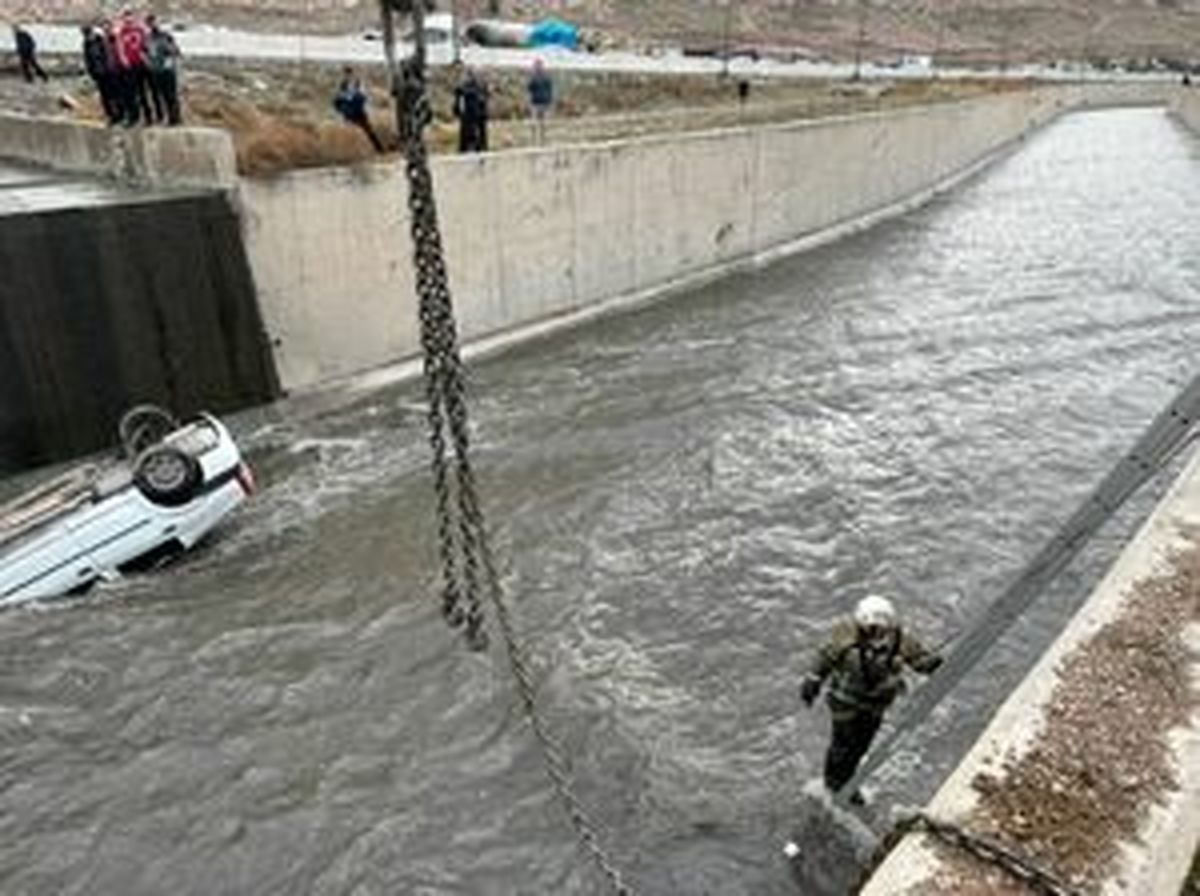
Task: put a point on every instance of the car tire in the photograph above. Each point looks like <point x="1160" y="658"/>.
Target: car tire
<point x="166" y="475"/>
<point x="143" y="426"/>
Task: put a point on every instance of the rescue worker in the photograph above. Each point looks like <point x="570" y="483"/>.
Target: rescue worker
<point x="864" y="661"/>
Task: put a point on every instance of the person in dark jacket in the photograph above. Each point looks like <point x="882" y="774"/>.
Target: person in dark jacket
<point x="98" y="61"/>
<point x="351" y="103"/>
<point x="27" y="55"/>
<point x="864" y="661"/>
<point x="471" y="110"/>
<point x="541" y="98"/>
<point x="162" y="66"/>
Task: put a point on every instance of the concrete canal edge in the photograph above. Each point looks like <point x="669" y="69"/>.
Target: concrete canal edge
<point x="197" y="158"/>
<point x="1104" y="731"/>
<point x="1185" y="105"/>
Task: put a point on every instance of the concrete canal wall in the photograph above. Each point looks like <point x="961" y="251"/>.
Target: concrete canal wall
<point x="541" y="234"/>
<point x="543" y="237"/>
<point x="1092" y="766"/>
<point x="1185" y="105"/>
<point x="108" y="305"/>
<point x="154" y="157"/>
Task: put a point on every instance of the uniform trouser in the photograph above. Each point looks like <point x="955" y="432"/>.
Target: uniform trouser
<point x="853" y="732"/>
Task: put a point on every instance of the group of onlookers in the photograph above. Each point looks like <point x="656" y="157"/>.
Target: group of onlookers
<point x="471" y="100"/>
<point x="134" y="64"/>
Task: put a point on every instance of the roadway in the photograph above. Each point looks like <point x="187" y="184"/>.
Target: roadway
<point x="206" y="41"/>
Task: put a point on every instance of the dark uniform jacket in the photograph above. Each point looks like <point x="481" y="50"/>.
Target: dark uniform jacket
<point x="865" y="677"/>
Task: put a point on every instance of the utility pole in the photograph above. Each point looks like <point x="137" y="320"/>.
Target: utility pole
<point x="455" y="45"/>
<point x="940" y="39"/>
<point x="728" y="39"/>
<point x="389" y="9"/>
<point x="859" y="39"/>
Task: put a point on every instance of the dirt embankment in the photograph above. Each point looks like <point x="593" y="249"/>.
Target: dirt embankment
<point x="281" y="115"/>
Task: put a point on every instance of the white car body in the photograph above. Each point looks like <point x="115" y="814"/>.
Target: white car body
<point x="88" y="524"/>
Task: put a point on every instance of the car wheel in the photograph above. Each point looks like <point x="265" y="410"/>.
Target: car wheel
<point x="166" y="475"/>
<point x="143" y="426"/>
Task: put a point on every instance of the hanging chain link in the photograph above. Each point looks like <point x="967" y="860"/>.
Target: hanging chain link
<point x="464" y="549"/>
<point x="989" y="852"/>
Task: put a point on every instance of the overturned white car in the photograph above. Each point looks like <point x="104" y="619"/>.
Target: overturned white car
<point x="170" y="486"/>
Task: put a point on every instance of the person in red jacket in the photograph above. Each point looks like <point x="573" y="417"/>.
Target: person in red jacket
<point x="130" y="44"/>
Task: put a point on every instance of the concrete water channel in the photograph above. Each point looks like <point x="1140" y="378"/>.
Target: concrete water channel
<point x="682" y="497"/>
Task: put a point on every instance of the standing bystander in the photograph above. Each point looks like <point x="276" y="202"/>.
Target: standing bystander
<point x="471" y="110"/>
<point x="130" y="43"/>
<point x="351" y="103"/>
<point x="98" y="61"/>
<point x="541" y="99"/>
<point x="162" y="62"/>
<point x="27" y="54"/>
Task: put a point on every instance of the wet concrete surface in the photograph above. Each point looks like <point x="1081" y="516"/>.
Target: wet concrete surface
<point x="682" y="498"/>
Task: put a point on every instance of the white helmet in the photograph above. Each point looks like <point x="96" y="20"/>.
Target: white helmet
<point x="875" y="612"/>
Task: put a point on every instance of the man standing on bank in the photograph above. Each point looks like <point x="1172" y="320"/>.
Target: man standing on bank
<point x="541" y="98"/>
<point x="27" y="54"/>
<point x="864" y="660"/>
<point x="471" y="110"/>
<point x="162" y="68"/>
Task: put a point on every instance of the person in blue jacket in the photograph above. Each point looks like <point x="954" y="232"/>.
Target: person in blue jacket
<point x="350" y="101"/>
<point x="541" y="98"/>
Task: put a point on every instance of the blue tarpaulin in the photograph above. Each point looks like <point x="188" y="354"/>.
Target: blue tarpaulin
<point x="554" y="33"/>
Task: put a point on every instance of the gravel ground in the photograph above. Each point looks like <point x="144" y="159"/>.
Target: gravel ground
<point x="1102" y="759"/>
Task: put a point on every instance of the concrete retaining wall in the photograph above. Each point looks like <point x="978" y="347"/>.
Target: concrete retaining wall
<point x="540" y="234"/>
<point x="1185" y="105"/>
<point x="158" y="157"/>
<point x="107" y="306"/>
<point x="1156" y="860"/>
<point x="548" y="235"/>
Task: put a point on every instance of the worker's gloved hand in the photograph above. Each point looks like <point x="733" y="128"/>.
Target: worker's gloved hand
<point x="809" y="688"/>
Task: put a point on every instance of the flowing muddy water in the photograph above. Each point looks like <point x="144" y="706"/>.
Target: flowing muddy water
<point x="682" y="498"/>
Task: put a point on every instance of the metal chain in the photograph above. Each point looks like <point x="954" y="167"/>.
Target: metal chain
<point x="989" y="852"/>
<point x="462" y="533"/>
